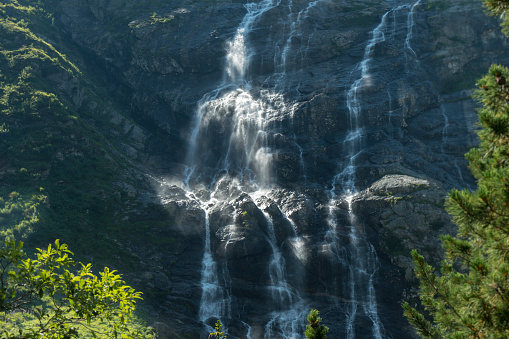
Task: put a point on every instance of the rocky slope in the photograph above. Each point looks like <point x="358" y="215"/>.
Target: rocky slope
<point x="365" y="112"/>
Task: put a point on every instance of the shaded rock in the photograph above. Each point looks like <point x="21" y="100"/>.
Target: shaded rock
<point x="410" y="215"/>
<point x="161" y="282"/>
<point x="164" y="331"/>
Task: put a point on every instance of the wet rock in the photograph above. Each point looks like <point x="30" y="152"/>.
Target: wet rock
<point x="409" y="214"/>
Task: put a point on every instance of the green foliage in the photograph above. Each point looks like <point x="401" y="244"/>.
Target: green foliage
<point x="54" y="302"/>
<point x="470" y="296"/>
<point x="499" y="8"/>
<point x="218" y="334"/>
<point x="470" y="299"/>
<point x="21" y="212"/>
<point x="315" y="330"/>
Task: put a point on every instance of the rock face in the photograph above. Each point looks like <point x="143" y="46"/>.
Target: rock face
<point x="410" y="215"/>
<point x="309" y="147"/>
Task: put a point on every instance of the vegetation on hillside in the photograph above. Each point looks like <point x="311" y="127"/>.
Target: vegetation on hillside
<point x="470" y="296"/>
<point x="44" y="144"/>
<point x="61" y="174"/>
<point x="59" y="168"/>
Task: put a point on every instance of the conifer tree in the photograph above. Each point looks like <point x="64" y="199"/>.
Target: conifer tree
<point x="315" y="330"/>
<point x="470" y="296"/>
<point x="218" y="333"/>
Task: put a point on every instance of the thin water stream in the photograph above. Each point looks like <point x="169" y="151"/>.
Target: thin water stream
<point x="348" y="243"/>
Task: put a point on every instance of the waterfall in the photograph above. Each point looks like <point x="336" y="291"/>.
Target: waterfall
<point x="248" y="334"/>
<point x="445" y="157"/>
<point x="294" y="32"/>
<point x="301" y="160"/>
<point x="231" y="144"/>
<point x="213" y="304"/>
<point x="347" y="243"/>
<point x="238" y="55"/>
<point x="446" y="126"/>
<point x="361" y="259"/>
<point x="246" y="151"/>
<point x="286" y="317"/>
<point x="410" y="27"/>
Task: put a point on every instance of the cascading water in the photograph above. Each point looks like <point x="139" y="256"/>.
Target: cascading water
<point x="295" y="32"/>
<point x="244" y="153"/>
<point x="361" y="258"/>
<point x="238" y="116"/>
<point x="231" y="144"/>
<point x="410" y="27"/>
<point x="285" y="320"/>
<point x="416" y="65"/>
<point x="348" y="245"/>
<point x="214" y="301"/>
<point x="253" y="140"/>
<point x="233" y="106"/>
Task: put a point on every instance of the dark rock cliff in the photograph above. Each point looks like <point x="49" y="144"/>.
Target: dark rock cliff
<point x="163" y="59"/>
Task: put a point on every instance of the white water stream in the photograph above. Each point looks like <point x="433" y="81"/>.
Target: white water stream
<point x="214" y="300"/>
<point x="286" y="319"/>
<point x="246" y="152"/>
<point x="358" y="256"/>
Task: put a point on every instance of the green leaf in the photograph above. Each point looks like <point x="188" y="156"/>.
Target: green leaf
<point x="86" y="297"/>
